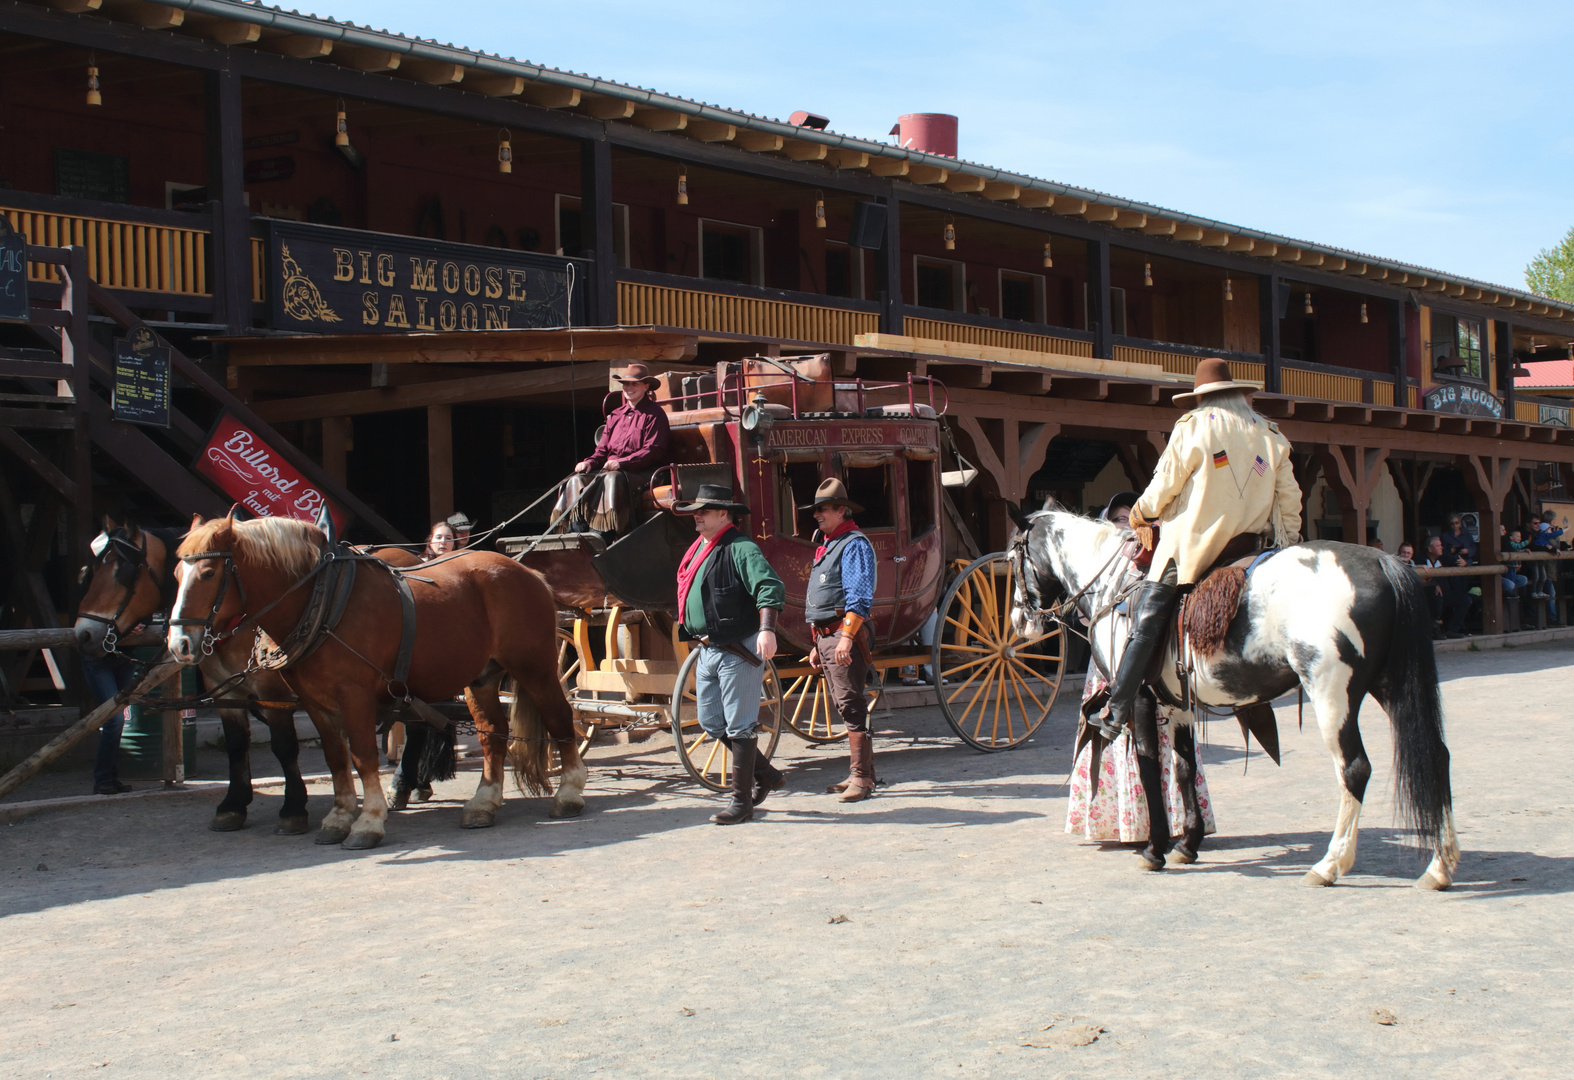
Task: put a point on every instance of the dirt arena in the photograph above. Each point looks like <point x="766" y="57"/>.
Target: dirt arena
<point x="948" y="927"/>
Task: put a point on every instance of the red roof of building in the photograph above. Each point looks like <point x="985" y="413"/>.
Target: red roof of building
<point x="1547" y="375"/>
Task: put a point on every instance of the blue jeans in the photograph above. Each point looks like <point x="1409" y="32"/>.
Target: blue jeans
<point x="727" y="691"/>
<point x="1513" y="582"/>
<point x="107" y="676"/>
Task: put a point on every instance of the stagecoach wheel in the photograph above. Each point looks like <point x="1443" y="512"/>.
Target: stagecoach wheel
<point x="570" y="662"/>
<point x="707" y="760"/>
<point x="994" y="685"/>
<point x="811" y="714"/>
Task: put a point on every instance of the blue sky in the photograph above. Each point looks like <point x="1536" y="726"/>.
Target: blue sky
<point x="1433" y="133"/>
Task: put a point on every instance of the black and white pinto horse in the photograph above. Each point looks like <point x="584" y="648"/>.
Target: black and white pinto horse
<point x="1339" y="620"/>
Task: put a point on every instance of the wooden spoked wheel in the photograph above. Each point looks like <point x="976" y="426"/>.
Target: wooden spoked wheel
<point x="994" y="685"/>
<point x="570" y="662"/>
<point x="706" y="759"/>
<point x="809" y="711"/>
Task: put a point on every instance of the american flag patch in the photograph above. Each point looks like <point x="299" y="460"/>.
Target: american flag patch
<point x="1260" y="466"/>
<point x="1220" y="459"/>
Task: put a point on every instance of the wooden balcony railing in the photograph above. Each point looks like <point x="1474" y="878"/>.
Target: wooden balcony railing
<point x="1175" y="363"/>
<point x="941" y="330"/>
<point x="121" y="254"/>
<point x="259" y="270"/>
<point x="1321" y="385"/>
<point x="694" y="309"/>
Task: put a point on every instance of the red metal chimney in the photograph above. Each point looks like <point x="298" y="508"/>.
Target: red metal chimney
<point x="931" y="133"/>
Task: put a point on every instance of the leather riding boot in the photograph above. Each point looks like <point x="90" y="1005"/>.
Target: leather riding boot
<point x="1153" y="611"/>
<point x="741" y="808"/>
<point x="860" y="785"/>
<point x="767" y="778"/>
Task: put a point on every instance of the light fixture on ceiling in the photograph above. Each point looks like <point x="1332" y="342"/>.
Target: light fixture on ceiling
<point x="950" y="235"/>
<point x="1306" y="308"/>
<point x="1519" y="371"/>
<point x="1229" y="293"/>
<point x="341" y="127"/>
<point x="683" y="185"/>
<point x="1147" y="273"/>
<point x="1049" y="255"/>
<point x="819" y="209"/>
<point x="505" y="151"/>
<point x="1363" y="313"/>
<point x="93" y="96"/>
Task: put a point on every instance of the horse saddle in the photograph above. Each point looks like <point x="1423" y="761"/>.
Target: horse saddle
<point x="1205" y="612"/>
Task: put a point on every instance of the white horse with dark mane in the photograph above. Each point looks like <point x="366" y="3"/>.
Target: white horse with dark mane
<point x="1339" y="620"/>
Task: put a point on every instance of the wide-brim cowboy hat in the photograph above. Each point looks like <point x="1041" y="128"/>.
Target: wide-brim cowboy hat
<point x="833" y="491"/>
<point x="637" y="373"/>
<point x="711" y="497"/>
<point x="1213" y="375"/>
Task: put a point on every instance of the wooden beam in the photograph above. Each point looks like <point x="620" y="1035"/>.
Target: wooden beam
<point x="1190" y="233"/>
<point x="223" y="31"/>
<point x="75" y="7"/>
<point x="40" y="464"/>
<point x="1265" y="249"/>
<point x="298" y="46"/>
<point x="148" y="16"/>
<point x="1001" y="191"/>
<point x="847" y="159"/>
<point x="960" y="182"/>
<point x="1242" y="244"/>
<point x="975" y="376"/>
<point x="338" y="439"/>
<point x="1311" y="258"/>
<point x="1159" y="227"/>
<point x="589" y="376"/>
<point x="1334" y="262"/>
<point x="1065" y="204"/>
<point x="1021" y="382"/>
<point x="546" y="95"/>
<point x="1213" y="238"/>
<point x="1100" y="212"/>
<point x="432" y="72"/>
<point x="468" y="347"/>
<point x="1130" y="219"/>
<point x="1134" y="393"/>
<point x="491" y="84"/>
<point x="1288" y="255"/>
<point x="660" y="119"/>
<point x="1034" y="199"/>
<point x="1082" y="389"/>
<point x="606" y="108"/>
<point x="927" y="174"/>
<point x="711" y="131"/>
<point x="803" y="150"/>
<point x="884" y="166"/>
<point x="360" y="58"/>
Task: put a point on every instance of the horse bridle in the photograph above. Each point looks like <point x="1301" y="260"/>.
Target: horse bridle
<point x="131" y="563"/>
<point x="210" y="639"/>
<point x="1027" y="573"/>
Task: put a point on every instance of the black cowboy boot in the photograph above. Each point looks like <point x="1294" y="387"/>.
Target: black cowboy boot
<point x="1152" y="612"/>
<point x="741" y="808"/>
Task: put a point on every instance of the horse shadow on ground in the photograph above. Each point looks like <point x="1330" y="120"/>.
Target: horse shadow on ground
<point x="1390" y="854"/>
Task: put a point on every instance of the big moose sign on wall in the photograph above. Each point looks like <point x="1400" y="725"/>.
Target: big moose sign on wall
<point x="344" y="281"/>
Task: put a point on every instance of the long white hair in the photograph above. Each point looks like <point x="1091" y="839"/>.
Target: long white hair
<point x="1232" y="403"/>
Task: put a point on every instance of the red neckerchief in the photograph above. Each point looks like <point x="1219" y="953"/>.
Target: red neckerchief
<point x="691" y="565"/>
<point x="845" y="527"/>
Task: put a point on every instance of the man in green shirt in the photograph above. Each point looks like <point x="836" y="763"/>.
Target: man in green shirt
<point x="730" y="598"/>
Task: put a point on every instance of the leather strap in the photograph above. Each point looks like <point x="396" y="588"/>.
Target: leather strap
<point x="406" y="636"/>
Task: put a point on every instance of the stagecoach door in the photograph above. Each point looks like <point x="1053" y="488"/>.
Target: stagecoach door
<point x="874" y="482"/>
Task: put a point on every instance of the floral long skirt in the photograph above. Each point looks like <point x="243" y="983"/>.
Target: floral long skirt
<point x="1120" y="809"/>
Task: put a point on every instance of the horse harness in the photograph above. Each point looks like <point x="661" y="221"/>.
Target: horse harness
<point x="131" y="563"/>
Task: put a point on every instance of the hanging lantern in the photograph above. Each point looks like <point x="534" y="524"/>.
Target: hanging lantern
<point x="950" y="235"/>
<point x="505" y="152"/>
<point x="1229" y="293"/>
<point x="1363" y="313"/>
<point x="93" y="96"/>
<point x="341" y="127"/>
<point x="1049" y="257"/>
<point x="1147" y="273"/>
<point x="683" y="186"/>
<point x="819" y="209"/>
<point x="1306" y="308"/>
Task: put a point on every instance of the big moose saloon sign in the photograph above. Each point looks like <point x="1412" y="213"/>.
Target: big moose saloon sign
<point x="345" y="281"/>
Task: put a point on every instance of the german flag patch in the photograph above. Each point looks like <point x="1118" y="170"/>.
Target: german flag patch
<point x="1221" y="459"/>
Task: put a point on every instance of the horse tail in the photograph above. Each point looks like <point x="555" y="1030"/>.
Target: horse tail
<point x="528" y="751"/>
<point x="1415" y="707"/>
<point x="439" y="755"/>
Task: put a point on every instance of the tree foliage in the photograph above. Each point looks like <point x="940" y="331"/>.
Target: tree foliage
<point x="1551" y="272"/>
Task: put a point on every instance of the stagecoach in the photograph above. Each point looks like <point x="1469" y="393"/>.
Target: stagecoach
<point x="772" y="429"/>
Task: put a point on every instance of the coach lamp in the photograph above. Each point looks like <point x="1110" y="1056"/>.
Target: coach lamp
<point x="756" y="420"/>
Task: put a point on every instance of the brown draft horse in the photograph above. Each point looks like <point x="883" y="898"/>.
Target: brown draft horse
<point x="481" y="616"/>
<point x="134" y="578"/>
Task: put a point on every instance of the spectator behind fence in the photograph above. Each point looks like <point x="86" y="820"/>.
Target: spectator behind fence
<point x="1434" y="594"/>
<point x="1458" y="550"/>
<point x="1514" y="580"/>
<point x="1406" y="553"/>
<point x="1544" y="538"/>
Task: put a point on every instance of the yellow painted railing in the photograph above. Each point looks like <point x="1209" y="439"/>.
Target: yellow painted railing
<point x="1382" y="392"/>
<point x="1184" y="363"/>
<point x="1414" y="396"/>
<point x="259" y="270"/>
<point x="940" y="330"/>
<point x="121" y="254"/>
<point x="695" y="310"/>
<point x="1322" y="385"/>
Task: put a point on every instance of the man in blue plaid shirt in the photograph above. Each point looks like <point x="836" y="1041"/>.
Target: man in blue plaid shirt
<point x="837" y="604"/>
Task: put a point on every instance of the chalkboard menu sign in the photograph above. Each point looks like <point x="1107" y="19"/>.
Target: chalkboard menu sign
<point x="13" y="273"/>
<point x="142" y="379"/>
<point x="86" y="174"/>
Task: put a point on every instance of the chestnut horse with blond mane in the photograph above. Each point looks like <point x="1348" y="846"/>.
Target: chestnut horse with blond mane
<point x="479" y="616"/>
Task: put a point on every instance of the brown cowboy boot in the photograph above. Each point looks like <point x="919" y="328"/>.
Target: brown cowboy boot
<point x="860" y="785"/>
<point x="767" y="778"/>
<point x="741" y="808"/>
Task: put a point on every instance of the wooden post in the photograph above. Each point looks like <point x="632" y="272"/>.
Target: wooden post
<point x="1353" y="472"/>
<point x="231" y="253"/>
<point x="173" y="745"/>
<point x="337" y="439"/>
<point x="439" y="461"/>
<point x="1411" y="478"/>
<point x="1489" y="479"/>
<point x="888" y="267"/>
<point x="1268" y="329"/>
<point x="1098" y="300"/>
<point x="595" y="216"/>
<point x="1396" y="354"/>
<point x="76" y="345"/>
<point x="1503" y="352"/>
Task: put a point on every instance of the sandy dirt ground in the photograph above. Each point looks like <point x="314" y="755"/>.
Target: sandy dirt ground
<point x="979" y="939"/>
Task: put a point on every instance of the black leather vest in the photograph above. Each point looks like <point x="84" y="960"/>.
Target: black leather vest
<point x="825" y="598"/>
<point x="730" y="614"/>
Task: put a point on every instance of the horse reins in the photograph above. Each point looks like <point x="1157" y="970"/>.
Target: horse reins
<point x="127" y="555"/>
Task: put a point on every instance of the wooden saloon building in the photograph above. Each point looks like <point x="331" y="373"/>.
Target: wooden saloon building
<point x="364" y="249"/>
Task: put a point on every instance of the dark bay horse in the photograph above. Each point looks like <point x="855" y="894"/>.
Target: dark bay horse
<point x="1341" y="621"/>
<point x="478" y="617"/>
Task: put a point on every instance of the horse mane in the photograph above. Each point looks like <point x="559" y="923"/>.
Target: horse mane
<point x="284" y="544"/>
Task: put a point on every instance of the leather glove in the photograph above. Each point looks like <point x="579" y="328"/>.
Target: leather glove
<point x="1143" y="528"/>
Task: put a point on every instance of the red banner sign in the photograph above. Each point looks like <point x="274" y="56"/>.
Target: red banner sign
<point x="257" y="477"/>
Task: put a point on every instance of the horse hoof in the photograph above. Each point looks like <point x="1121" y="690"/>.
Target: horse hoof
<point x="1145" y="861"/>
<point x="228" y="821"/>
<point x="334" y="835"/>
<point x="360" y="841"/>
<point x="1183" y="854"/>
<point x="478" y="819"/>
<point x="1316" y="880"/>
<point x="1430" y="882"/>
<point x="291" y="826"/>
<point x="563" y="810"/>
